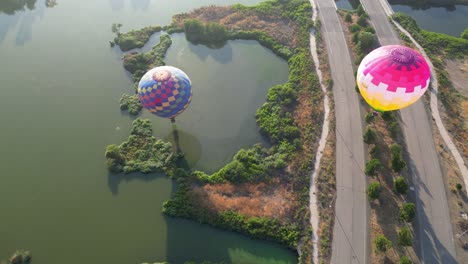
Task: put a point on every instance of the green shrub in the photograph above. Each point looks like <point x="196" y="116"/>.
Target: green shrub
<point x="459" y="186"/>
<point x="369" y="136"/>
<point x="355" y="37"/>
<point x="349" y="19"/>
<point x="371" y="167"/>
<point x="133" y="39"/>
<point x="388" y="116"/>
<point x="362" y="20"/>
<point x="394" y="129"/>
<point x="400" y="185"/>
<point x="374" y="152"/>
<point x="369" y="118"/>
<point x="405" y="238"/>
<point x="370" y="30"/>
<point x="464" y="34"/>
<point x="360" y="10"/>
<point x="397" y="161"/>
<point x="366" y="41"/>
<point x="382" y="243"/>
<point x="408" y="212"/>
<point x="131" y="103"/>
<point x="354" y="28"/>
<point x="405" y="260"/>
<point x="373" y="191"/>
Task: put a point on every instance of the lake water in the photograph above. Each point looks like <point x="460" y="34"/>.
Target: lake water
<point x="451" y="20"/>
<point x="60" y="87"/>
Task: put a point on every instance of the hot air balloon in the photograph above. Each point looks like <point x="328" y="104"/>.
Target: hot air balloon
<point x="165" y="91"/>
<point x="392" y="77"/>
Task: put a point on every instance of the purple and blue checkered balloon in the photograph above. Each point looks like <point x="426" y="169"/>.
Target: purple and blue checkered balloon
<point x="165" y="91"/>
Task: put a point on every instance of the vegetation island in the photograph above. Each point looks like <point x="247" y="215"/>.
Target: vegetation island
<point x="271" y="184"/>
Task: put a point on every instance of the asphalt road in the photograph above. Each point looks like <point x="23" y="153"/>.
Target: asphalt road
<point x="350" y="233"/>
<point x="434" y="228"/>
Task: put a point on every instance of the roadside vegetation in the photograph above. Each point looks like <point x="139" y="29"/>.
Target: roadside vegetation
<point x="450" y="63"/>
<point x="291" y="118"/>
<point x="387" y="189"/>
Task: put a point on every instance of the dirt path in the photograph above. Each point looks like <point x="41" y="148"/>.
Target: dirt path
<point x="314" y="214"/>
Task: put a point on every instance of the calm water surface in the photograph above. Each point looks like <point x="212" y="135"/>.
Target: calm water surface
<point x="450" y="20"/>
<point x="60" y="85"/>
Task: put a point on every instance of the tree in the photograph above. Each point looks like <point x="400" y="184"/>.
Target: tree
<point x="362" y="20"/>
<point x="405" y="260"/>
<point x="459" y="186"/>
<point x="369" y="136"/>
<point x="397" y="159"/>
<point x="348" y="18"/>
<point x="405" y="238"/>
<point x="400" y="185"/>
<point x="382" y="243"/>
<point x="194" y="30"/>
<point x="407" y="212"/>
<point x="372" y="166"/>
<point x="464" y="34"/>
<point x="366" y="41"/>
<point x="373" y="190"/>
<point x="360" y="10"/>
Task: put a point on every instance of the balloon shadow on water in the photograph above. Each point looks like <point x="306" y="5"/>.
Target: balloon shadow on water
<point x="222" y="55"/>
<point x="188" y="145"/>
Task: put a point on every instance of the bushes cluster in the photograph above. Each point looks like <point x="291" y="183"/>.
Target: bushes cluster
<point x="247" y="166"/>
<point x="133" y="39"/>
<point x="210" y="34"/>
<point x="139" y="63"/>
<point x="131" y="103"/>
<point x="141" y="152"/>
<point x="372" y="166"/>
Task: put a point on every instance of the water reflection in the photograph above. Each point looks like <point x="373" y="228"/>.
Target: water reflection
<point x="26" y="19"/>
<point x="140" y="4"/>
<point x="118" y="5"/>
<point x="10" y="7"/>
<point x="222" y="54"/>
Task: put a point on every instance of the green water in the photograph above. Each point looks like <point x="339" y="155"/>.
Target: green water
<point x="60" y="83"/>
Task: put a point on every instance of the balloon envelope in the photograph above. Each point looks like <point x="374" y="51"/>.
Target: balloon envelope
<point x="392" y="77"/>
<point x="165" y="91"/>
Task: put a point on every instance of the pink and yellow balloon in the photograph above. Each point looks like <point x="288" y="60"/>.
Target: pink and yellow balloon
<point x="393" y="77"/>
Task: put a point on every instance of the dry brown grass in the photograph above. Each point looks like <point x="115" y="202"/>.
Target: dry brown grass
<point x="273" y="200"/>
<point x="280" y="28"/>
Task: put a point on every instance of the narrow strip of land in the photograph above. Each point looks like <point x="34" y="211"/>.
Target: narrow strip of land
<point x="434" y="226"/>
<point x="350" y="233"/>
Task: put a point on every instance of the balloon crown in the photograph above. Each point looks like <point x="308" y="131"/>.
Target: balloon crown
<point x="402" y="55"/>
<point x="161" y="75"/>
